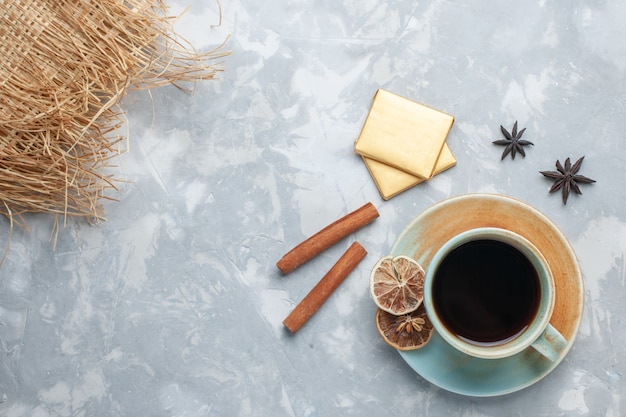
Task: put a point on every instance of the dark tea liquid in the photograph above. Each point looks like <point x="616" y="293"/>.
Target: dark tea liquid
<point x="486" y="292"/>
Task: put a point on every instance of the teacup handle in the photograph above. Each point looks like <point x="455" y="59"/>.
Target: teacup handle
<point x="550" y="344"/>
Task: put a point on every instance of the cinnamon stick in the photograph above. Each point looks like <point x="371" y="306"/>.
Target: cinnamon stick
<point x="322" y="290"/>
<point x="327" y="237"/>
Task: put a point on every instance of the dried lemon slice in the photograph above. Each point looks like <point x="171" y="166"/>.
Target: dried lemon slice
<point x="397" y="284"/>
<point x="407" y="331"/>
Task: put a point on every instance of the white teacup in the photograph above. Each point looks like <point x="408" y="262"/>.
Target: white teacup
<point x="490" y="293"/>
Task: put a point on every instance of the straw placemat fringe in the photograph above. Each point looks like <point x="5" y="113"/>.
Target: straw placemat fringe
<point x="66" y="64"/>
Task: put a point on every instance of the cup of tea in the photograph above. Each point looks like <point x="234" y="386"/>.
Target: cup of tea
<point x="489" y="293"/>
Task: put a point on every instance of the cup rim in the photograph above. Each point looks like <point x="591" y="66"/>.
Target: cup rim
<point x="526" y="337"/>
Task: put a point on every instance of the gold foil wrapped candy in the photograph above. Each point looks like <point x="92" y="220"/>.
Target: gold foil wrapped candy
<point x="403" y="143"/>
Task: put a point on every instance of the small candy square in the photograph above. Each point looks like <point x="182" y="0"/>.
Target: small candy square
<point x="403" y="134"/>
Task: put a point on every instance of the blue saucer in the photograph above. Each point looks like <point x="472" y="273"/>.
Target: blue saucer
<point x="437" y="361"/>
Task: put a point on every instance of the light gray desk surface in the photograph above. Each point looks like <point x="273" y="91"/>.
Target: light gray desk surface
<point x="174" y="305"/>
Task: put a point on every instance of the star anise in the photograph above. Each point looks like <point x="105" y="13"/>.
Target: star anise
<point x="408" y="323"/>
<point x="512" y="142"/>
<point x="567" y="178"/>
